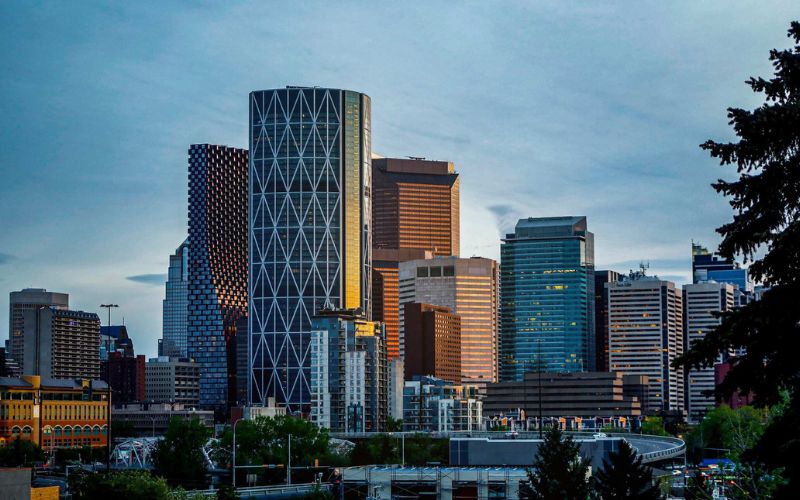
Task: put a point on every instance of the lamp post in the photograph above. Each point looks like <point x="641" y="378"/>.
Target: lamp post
<point x="233" y="468"/>
<point x="289" y="464"/>
<point x="108" y="308"/>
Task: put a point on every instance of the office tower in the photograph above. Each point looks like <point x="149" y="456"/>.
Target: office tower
<point x="547" y="297"/>
<point x="217" y="288"/>
<point x="349" y="373"/>
<point x="434" y="405"/>
<point x="176" y="305"/>
<point x="386" y="290"/>
<point x="310" y="228"/>
<point x="645" y="324"/>
<point x="702" y="302"/>
<point x="468" y="287"/>
<point x="172" y="380"/>
<point x="113" y="339"/>
<point x="601" y="316"/>
<point x="61" y="344"/>
<point x="415" y="213"/>
<point x="24" y="300"/>
<point x="54" y="414"/>
<point x="433" y="342"/>
<point x="3" y="369"/>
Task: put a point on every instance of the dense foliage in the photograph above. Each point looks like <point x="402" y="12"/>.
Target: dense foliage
<point x="623" y="477"/>
<point x="654" y="426"/>
<point x="130" y="485"/>
<point x="559" y="472"/>
<point x="20" y="453"/>
<point x="765" y="231"/>
<point x="179" y="456"/>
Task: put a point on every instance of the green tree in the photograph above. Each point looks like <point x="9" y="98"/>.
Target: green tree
<point x="559" y="472"/>
<point x="654" y="426"/>
<point x="179" y="456"/>
<point x="226" y="492"/>
<point x="623" y="477"/>
<point x="394" y="424"/>
<point x="130" y="485"/>
<point x="20" y="453"/>
<point x="265" y="440"/>
<point x="765" y="231"/>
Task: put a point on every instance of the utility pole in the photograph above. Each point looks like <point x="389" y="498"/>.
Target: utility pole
<point x="289" y="466"/>
<point x="108" y="308"/>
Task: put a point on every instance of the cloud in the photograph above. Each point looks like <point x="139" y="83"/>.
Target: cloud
<point x="148" y="279"/>
<point x="6" y="258"/>
<point x="506" y="217"/>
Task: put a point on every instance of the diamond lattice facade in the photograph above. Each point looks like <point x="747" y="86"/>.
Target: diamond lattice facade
<point x="310" y="237"/>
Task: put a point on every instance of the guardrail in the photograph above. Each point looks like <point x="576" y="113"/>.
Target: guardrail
<point x="256" y="491"/>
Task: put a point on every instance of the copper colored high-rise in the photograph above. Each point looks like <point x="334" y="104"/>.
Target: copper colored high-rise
<point x="415" y="215"/>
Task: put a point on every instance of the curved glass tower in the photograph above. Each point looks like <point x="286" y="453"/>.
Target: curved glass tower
<point x="310" y="237"/>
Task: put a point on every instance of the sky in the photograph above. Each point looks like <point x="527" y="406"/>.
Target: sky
<point x="546" y="108"/>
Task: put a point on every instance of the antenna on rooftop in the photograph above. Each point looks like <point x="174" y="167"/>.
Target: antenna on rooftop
<point x="415" y="157"/>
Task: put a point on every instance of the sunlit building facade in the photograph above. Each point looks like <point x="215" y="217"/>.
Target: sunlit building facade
<point x="54" y="413"/>
<point x="547" y="297"/>
<point x="468" y="287"/>
<point x="645" y="325"/>
<point x="217" y="287"/>
<point x="310" y="228"/>
<point x="415" y="215"/>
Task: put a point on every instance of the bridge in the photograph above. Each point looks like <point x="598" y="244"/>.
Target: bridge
<point x="279" y="492"/>
<point x="651" y="448"/>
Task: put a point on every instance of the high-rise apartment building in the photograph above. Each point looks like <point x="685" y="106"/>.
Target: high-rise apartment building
<point x="25" y="300"/>
<point x="468" y="287"/>
<point x="433" y="342"/>
<point x="702" y="302"/>
<point x="176" y="304"/>
<point x="645" y="324"/>
<point x="61" y="344"/>
<point x="434" y="405"/>
<point x="217" y="287"/>
<point x="415" y="214"/>
<point x="172" y="380"/>
<point x="601" y="316"/>
<point x="547" y="297"/>
<point x="349" y="372"/>
<point x="310" y="228"/>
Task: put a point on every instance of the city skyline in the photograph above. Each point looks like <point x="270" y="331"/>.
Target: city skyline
<point x="125" y="203"/>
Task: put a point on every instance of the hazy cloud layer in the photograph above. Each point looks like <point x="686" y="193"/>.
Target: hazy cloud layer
<point x="149" y="279"/>
<point x="546" y="109"/>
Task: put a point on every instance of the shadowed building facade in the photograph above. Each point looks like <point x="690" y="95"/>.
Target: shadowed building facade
<point x="61" y="344"/>
<point x="175" y="305"/>
<point x="433" y="342"/>
<point x="217" y="288"/>
<point x="415" y="215"/>
<point x="547" y="297"/>
<point x="25" y="300"/>
<point x="310" y="228"/>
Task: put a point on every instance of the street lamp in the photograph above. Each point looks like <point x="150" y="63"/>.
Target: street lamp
<point x="233" y="469"/>
<point x="108" y="307"/>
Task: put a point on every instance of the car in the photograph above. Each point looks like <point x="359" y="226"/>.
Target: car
<point x="600" y="435"/>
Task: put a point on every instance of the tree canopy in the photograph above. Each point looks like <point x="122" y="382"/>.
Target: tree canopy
<point x="623" y="477"/>
<point x="179" y="456"/>
<point x="765" y="231"/>
<point x="559" y="472"/>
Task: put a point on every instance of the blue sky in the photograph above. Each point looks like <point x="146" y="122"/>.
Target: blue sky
<point x="547" y="108"/>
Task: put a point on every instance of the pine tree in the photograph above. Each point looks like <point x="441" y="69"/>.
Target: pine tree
<point x="624" y="477"/>
<point x="766" y="231"/>
<point x="559" y="472"/>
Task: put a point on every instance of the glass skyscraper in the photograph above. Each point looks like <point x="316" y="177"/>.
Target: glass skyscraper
<point x="175" y="305"/>
<point x="310" y="237"/>
<point x="217" y="288"/>
<point x="547" y="297"/>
